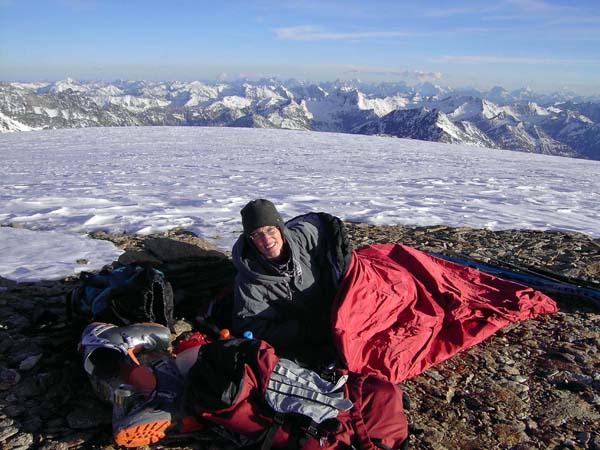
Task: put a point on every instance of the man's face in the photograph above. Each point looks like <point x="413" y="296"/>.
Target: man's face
<point x="268" y="241"/>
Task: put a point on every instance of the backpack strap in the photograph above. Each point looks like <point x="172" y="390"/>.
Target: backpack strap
<point x="277" y="422"/>
<point x="379" y="444"/>
<point x="310" y="432"/>
<point x="299" y="438"/>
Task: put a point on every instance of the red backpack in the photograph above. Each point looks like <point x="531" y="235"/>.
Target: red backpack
<point x="243" y="386"/>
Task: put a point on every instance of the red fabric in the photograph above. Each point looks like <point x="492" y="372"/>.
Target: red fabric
<point x="250" y="415"/>
<point x="377" y="417"/>
<point x="378" y="413"/>
<point x="399" y="310"/>
<point x="194" y="340"/>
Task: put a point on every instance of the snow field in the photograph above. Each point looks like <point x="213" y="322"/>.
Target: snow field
<point x="150" y="179"/>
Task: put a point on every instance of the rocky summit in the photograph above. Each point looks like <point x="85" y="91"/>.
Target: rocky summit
<point x="533" y="385"/>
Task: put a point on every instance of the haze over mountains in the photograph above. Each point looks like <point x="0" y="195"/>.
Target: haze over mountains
<point x="556" y="124"/>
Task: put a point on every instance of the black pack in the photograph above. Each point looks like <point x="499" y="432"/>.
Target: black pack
<point x="128" y="294"/>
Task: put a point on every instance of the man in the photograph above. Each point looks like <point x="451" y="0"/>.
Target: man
<point x="287" y="276"/>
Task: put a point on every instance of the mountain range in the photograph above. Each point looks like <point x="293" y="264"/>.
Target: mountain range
<point x="558" y="124"/>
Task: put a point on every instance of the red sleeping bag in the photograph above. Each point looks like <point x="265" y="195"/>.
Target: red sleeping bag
<point x="399" y="311"/>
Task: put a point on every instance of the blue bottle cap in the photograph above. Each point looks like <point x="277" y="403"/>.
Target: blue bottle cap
<point x="248" y="335"/>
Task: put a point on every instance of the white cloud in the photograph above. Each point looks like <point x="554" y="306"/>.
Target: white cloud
<point x="419" y="75"/>
<point x="312" y="33"/>
<point x="438" y="12"/>
<point x="77" y="4"/>
<point x="534" y="5"/>
<point x="478" y="59"/>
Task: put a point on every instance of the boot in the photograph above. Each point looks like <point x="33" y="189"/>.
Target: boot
<point x="110" y="356"/>
<point x="150" y="420"/>
<point x="105" y="345"/>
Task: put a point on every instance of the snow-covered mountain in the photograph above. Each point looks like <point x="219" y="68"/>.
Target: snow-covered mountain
<point x="7" y="124"/>
<point x="520" y="120"/>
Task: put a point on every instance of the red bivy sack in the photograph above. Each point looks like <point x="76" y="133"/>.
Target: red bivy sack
<point x="399" y="311"/>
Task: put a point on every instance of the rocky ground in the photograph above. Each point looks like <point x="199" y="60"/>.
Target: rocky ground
<point x="533" y="385"/>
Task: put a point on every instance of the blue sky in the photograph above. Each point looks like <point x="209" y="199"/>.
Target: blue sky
<point x="544" y="44"/>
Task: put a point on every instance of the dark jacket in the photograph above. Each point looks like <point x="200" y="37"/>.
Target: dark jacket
<point x="291" y="308"/>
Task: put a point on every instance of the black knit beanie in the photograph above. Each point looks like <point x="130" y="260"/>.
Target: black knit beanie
<point x="260" y="213"/>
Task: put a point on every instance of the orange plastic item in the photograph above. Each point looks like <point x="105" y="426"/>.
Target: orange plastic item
<point x="225" y="333"/>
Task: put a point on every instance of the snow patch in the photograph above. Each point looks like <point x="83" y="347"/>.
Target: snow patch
<point x="50" y="255"/>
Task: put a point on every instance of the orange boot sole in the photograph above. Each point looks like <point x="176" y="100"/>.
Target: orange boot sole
<point x="143" y="434"/>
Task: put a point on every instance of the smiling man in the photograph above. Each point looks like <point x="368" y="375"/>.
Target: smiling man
<point x="287" y="276"/>
<point x="269" y="242"/>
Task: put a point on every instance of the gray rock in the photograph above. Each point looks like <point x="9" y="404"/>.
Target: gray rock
<point x="19" y="441"/>
<point x="510" y="370"/>
<point x="7" y="429"/>
<point x="53" y="445"/>
<point x="79" y="439"/>
<point x="583" y="437"/>
<point x="567" y="408"/>
<point x="434" y="374"/>
<point x="30" y="362"/>
<point x="519" y="378"/>
<point x="91" y="416"/>
<point x="27" y="388"/>
<point x="516" y="386"/>
<point x="14" y="410"/>
<point x="9" y="378"/>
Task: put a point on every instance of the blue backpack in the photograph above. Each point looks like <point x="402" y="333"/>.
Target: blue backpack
<point x="122" y="296"/>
